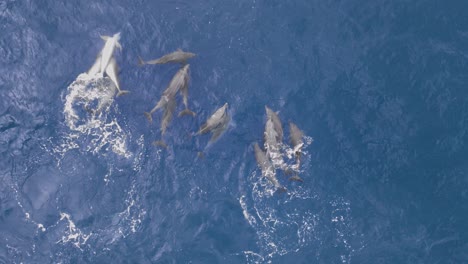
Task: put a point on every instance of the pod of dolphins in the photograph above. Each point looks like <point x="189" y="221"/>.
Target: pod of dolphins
<point x="269" y="160"/>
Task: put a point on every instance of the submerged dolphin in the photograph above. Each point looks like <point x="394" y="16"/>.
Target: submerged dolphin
<point x="177" y="56"/>
<point x="108" y="50"/>
<point x="184" y="92"/>
<point x="169" y="109"/>
<point x="268" y="170"/>
<point x="216" y="123"/>
<point x="180" y="79"/>
<point x="295" y="136"/>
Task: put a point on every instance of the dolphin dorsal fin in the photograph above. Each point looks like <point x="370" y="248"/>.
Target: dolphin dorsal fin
<point x="105" y="38"/>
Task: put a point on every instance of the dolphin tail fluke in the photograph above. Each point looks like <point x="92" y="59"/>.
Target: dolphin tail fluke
<point x="296" y="178"/>
<point x="160" y="143"/>
<point x="122" y="92"/>
<point x="141" y="62"/>
<point x="187" y="112"/>
<point x="149" y="117"/>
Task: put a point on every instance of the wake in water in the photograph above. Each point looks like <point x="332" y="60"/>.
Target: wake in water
<point x="87" y="114"/>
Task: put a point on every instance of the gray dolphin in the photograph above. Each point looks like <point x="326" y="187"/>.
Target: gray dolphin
<point x="216" y="123"/>
<point x="177" y="56"/>
<point x="180" y="79"/>
<point x="273" y="138"/>
<point x="268" y="170"/>
<point x="295" y="136"/>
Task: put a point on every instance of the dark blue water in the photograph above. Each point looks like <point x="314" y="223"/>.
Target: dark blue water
<point x="380" y="86"/>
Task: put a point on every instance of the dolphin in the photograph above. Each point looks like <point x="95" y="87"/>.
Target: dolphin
<point x="184" y="91"/>
<point x="177" y="56"/>
<point x="216" y="123"/>
<point x="111" y="71"/>
<point x="268" y="170"/>
<point x="180" y="79"/>
<point x="273" y="139"/>
<point x="169" y="109"/>
<point x="108" y="50"/>
<point x="295" y="137"/>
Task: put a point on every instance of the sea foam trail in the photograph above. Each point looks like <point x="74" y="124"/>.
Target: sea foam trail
<point x="88" y="102"/>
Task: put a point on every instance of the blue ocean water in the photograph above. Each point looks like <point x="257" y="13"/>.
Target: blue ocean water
<point x="380" y="87"/>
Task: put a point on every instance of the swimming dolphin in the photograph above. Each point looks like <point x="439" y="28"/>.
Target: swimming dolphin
<point x="273" y="138"/>
<point x="216" y="123"/>
<point x="177" y="56"/>
<point x="268" y="170"/>
<point x="184" y="92"/>
<point x="108" y="50"/>
<point x="111" y="71"/>
<point x="169" y="109"/>
<point x="180" y="79"/>
<point x="295" y="136"/>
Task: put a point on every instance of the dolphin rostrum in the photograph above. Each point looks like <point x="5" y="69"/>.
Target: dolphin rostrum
<point x="180" y="79"/>
<point x="268" y="170"/>
<point x="216" y="123"/>
<point x="108" y="50"/>
<point x="177" y="56"/>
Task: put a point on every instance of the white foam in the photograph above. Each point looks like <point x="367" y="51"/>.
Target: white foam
<point x="87" y="105"/>
<point x="73" y="234"/>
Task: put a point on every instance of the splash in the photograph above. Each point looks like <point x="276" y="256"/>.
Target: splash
<point x="285" y="223"/>
<point x="87" y="111"/>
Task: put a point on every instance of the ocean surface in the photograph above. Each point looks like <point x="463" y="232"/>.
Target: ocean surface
<point x="379" y="88"/>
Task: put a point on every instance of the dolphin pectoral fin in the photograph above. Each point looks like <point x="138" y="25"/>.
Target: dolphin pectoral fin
<point x="149" y="117"/>
<point x="141" y="62"/>
<point x="122" y="92"/>
<point x="186" y="112"/>
<point x="296" y="178"/>
<point x="160" y="143"/>
<point x="118" y="45"/>
<point x="203" y="129"/>
<point x="105" y="38"/>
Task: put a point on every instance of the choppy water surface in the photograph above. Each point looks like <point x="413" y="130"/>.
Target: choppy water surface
<point x="378" y="87"/>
